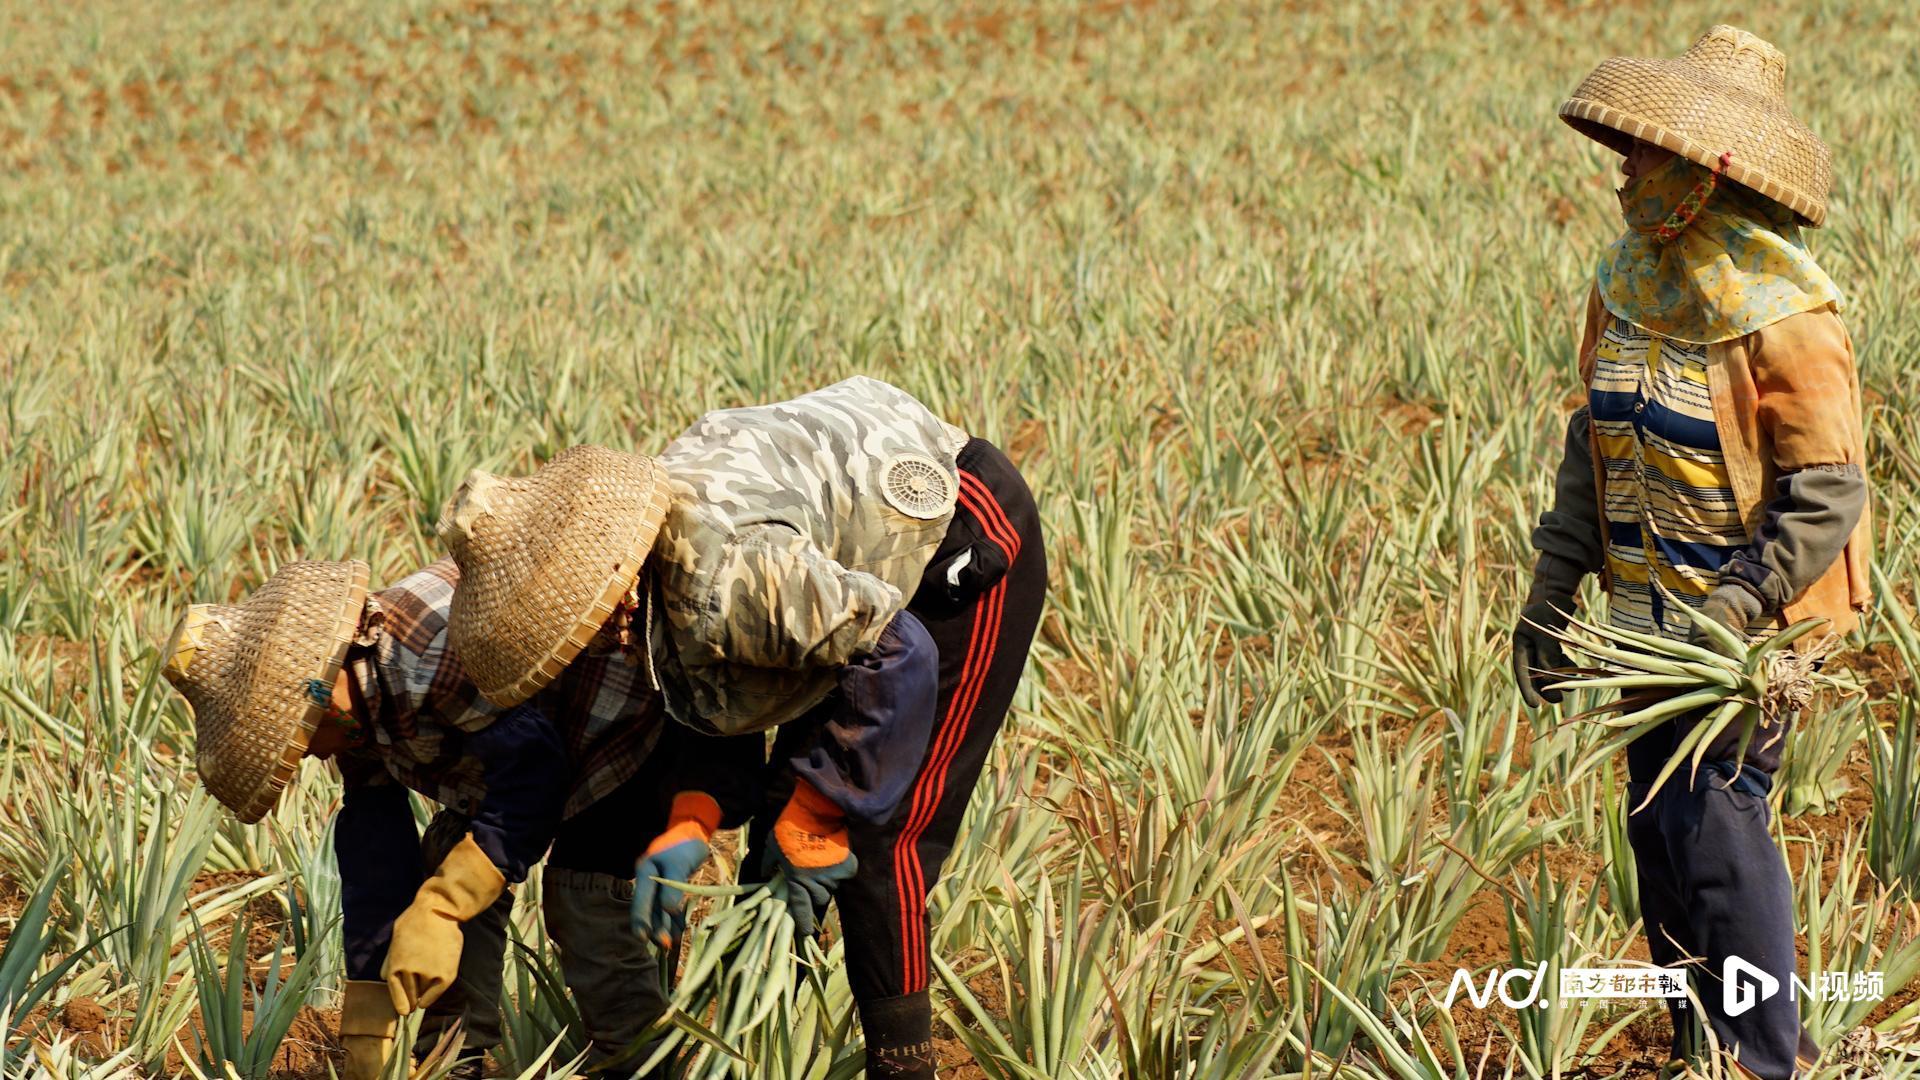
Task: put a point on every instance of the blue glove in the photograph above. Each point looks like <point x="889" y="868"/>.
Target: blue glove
<point x="810" y="850"/>
<point x="659" y="912"/>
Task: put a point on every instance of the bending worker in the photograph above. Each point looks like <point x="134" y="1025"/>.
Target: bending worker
<point x="845" y="564"/>
<point x="310" y="665"/>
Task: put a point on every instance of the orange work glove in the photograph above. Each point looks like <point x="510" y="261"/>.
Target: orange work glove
<point x="810" y="849"/>
<point x="367" y="1023"/>
<point x="659" y="910"/>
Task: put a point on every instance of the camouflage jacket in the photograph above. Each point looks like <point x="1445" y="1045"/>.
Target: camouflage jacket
<point x="798" y="530"/>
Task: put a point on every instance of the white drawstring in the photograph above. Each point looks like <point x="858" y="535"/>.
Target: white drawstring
<point x="646" y="640"/>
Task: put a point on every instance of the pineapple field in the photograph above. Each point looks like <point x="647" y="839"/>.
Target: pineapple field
<point x="1274" y="304"/>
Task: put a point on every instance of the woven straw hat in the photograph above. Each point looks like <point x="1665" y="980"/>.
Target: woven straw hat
<point x="544" y="560"/>
<point x="1727" y="95"/>
<point x="258" y="674"/>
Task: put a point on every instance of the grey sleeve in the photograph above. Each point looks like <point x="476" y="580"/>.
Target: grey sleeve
<point x="1802" y="531"/>
<point x="1572" y="530"/>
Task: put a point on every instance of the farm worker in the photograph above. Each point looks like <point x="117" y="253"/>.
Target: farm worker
<point x="845" y="564"/>
<point x="1720" y="458"/>
<point x="310" y="665"/>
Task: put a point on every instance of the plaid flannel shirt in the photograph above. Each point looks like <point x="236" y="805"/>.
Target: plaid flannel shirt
<point x="423" y="705"/>
<point x="434" y="733"/>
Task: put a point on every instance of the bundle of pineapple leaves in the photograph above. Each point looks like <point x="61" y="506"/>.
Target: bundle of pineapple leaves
<point x="1752" y="686"/>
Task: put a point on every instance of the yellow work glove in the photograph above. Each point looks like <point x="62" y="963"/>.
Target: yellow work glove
<point x="367" y="1022"/>
<point x="424" y="958"/>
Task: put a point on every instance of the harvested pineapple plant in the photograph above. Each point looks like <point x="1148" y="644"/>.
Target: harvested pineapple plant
<point x="1727" y="704"/>
<point x="1738" y="698"/>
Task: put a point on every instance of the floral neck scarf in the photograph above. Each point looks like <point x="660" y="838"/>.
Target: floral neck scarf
<point x="1705" y="260"/>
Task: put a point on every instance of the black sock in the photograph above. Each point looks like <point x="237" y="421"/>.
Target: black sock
<point x="899" y="1033"/>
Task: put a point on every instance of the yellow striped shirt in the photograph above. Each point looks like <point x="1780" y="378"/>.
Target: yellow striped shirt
<point x="1669" y="504"/>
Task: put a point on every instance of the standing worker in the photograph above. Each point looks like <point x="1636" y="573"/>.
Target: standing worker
<point x="1719" y="463"/>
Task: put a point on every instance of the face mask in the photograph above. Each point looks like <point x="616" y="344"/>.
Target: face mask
<point x="1704" y="259"/>
<point x="1671" y="194"/>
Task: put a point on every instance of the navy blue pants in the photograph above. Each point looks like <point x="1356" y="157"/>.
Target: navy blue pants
<point x="1713" y="886"/>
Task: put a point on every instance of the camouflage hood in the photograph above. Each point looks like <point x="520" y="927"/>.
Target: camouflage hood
<point x="797" y="531"/>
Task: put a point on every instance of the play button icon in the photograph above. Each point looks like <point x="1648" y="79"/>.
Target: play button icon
<point x="1743" y="986"/>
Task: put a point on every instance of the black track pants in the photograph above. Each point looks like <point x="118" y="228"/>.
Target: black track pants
<point x="980" y="600"/>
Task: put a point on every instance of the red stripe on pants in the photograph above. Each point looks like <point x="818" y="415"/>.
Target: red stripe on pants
<point x="999" y="528"/>
<point x="911" y="876"/>
<point x="930" y="787"/>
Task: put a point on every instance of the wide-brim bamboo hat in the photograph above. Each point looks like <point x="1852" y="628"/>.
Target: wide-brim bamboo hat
<point x="258" y="675"/>
<point x="1725" y="100"/>
<point x="544" y="560"/>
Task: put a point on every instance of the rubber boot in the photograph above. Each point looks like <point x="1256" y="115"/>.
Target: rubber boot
<point x="473" y="1001"/>
<point x="899" y="1033"/>
<point x="614" y="976"/>
<point x="367" y="1024"/>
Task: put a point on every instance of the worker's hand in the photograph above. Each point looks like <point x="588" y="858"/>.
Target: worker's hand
<point x="1735" y="607"/>
<point x="811" y="851"/>
<point x="424" y="957"/>
<point x="1536" y="651"/>
<point x="659" y="912"/>
<point x="367" y="1023"/>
